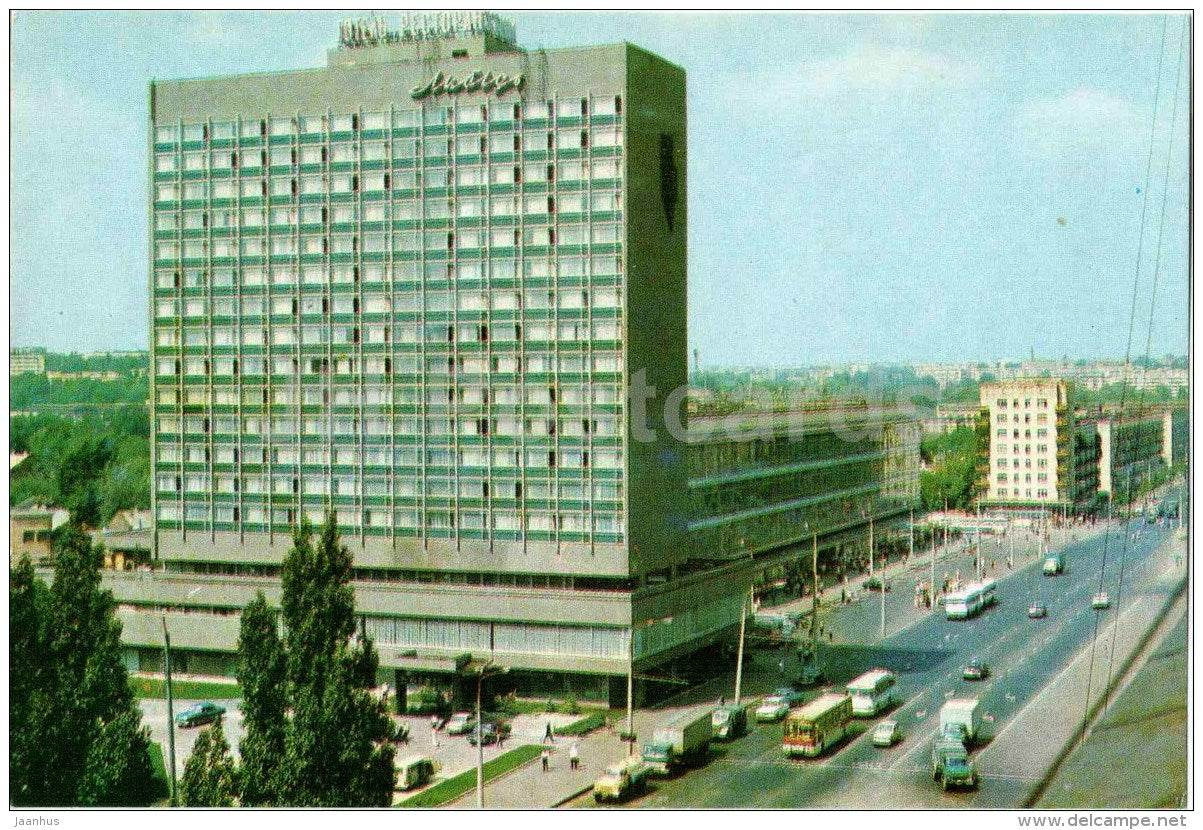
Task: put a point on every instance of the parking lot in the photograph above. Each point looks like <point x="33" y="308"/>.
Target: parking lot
<point x="453" y="753"/>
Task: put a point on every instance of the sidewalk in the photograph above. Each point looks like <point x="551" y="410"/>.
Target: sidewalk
<point x="529" y="787"/>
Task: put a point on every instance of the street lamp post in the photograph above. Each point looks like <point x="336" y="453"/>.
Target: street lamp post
<point x="170" y="713"/>
<point x="630" y="737"/>
<point x="931" y="588"/>
<point x="979" y="540"/>
<point x="814" y="570"/>
<point x="870" y="545"/>
<point x="1011" y="552"/>
<point x="484" y="670"/>
<point x="739" y="653"/>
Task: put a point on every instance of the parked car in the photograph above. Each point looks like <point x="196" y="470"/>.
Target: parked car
<point x="1100" y="601"/>
<point x="461" y="723"/>
<point x="1037" y="610"/>
<point x="490" y="733"/>
<point x="976" y="670"/>
<point x="772" y="709"/>
<point x="414" y="771"/>
<point x="198" y="714"/>
<point x="810" y="675"/>
<point x="886" y="733"/>
<point x="790" y="694"/>
<point x="874" y="583"/>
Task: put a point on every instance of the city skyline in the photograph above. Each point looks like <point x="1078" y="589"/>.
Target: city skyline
<point x="1062" y="201"/>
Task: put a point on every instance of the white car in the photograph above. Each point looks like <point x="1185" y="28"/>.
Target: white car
<point x="1100" y="601"/>
<point x="886" y="733"/>
<point x="772" y="708"/>
<point x="461" y="723"/>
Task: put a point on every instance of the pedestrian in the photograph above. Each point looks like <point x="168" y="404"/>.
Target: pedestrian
<point x="434" y="723"/>
<point x="830" y="637"/>
<point x="434" y="738"/>
<point x="574" y="757"/>
<point x="546" y="756"/>
<point x="548" y="737"/>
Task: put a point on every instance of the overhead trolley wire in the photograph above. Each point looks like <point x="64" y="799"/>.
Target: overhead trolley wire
<point x="1148" y="352"/>
<point x="1127" y="353"/>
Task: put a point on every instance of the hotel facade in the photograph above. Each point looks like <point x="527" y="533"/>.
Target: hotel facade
<point x="438" y="288"/>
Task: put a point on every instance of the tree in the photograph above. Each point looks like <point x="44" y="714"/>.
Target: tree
<point x="337" y="750"/>
<point x="263" y="675"/>
<point x="210" y="779"/>
<point x="29" y="682"/>
<point x="78" y="740"/>
<point x="117" y="771"/>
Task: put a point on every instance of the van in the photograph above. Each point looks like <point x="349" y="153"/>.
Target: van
<point x="414" y="771"/>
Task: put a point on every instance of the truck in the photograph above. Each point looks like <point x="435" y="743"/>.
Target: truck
<point x="1054" y="564"/>
<point x="621" y="779"/>
<point x="682" y="741"/>
<point x="962" y="718"/>
<point x="950" y="764"/>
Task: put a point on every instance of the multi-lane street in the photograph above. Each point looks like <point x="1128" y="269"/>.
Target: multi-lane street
<point x="1026" y="655"/>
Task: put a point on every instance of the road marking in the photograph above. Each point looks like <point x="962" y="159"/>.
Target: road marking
<point x="1086" y="649"/>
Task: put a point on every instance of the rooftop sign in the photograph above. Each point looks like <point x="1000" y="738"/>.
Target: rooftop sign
<point x="478" y="81"/>
<point x="371" y="31"/>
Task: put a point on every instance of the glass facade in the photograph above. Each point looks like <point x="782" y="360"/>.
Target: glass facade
<point x="413" y="317"/>
<point x="756" y="493"/>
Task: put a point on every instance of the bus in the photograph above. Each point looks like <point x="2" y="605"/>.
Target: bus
<point x="974" y="598"/>
<point x="872" y="692"/>
<point x="817" y="725"/>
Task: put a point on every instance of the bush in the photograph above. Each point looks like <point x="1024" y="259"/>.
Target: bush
<point x="425" y="701"/>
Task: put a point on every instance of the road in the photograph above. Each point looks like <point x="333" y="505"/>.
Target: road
<point x="1025" y="655"/>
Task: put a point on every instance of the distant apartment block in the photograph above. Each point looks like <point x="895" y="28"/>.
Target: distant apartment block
<point x="1025" y="432"/>
<point x="29" y="527"/>
<point x="22" y="361"/>
<point x="1034" y="451"/>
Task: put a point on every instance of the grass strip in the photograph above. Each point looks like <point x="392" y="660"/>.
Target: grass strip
<point x="456" y="786"/>
<point x="583" y="726"/>
<point x="156" y="687"/>
<point x="539" y="707"/>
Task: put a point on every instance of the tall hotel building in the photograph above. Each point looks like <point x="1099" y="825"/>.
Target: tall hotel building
<point x="412" y="287"/>
<point x="431" y="288"/>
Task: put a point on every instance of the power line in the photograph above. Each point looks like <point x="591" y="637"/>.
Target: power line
<point x="1165" y="189"/>
<point x="1127" y="357"/>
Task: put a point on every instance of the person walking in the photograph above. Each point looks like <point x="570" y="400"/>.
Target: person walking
<point x="546" y="756"/>
<point x="574" y="757"/>
<point x="548" y="736"/>
<point x="434" y="738"/>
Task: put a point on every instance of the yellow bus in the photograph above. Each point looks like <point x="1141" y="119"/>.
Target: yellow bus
<point x="819" y="724"/>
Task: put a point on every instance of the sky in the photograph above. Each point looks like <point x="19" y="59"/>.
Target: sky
<point x="862" y="188"/>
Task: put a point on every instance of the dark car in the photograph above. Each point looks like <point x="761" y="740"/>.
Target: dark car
<point x="790" y="694"/>
<point x="198" y="714"/>
<point x="490" y="733"/>
<point x="976" y="670"/>
<point x="874" y="584"/>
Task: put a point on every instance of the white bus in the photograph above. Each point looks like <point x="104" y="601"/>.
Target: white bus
<point x="974" y="598"/>
<point x="872" y="692"/>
